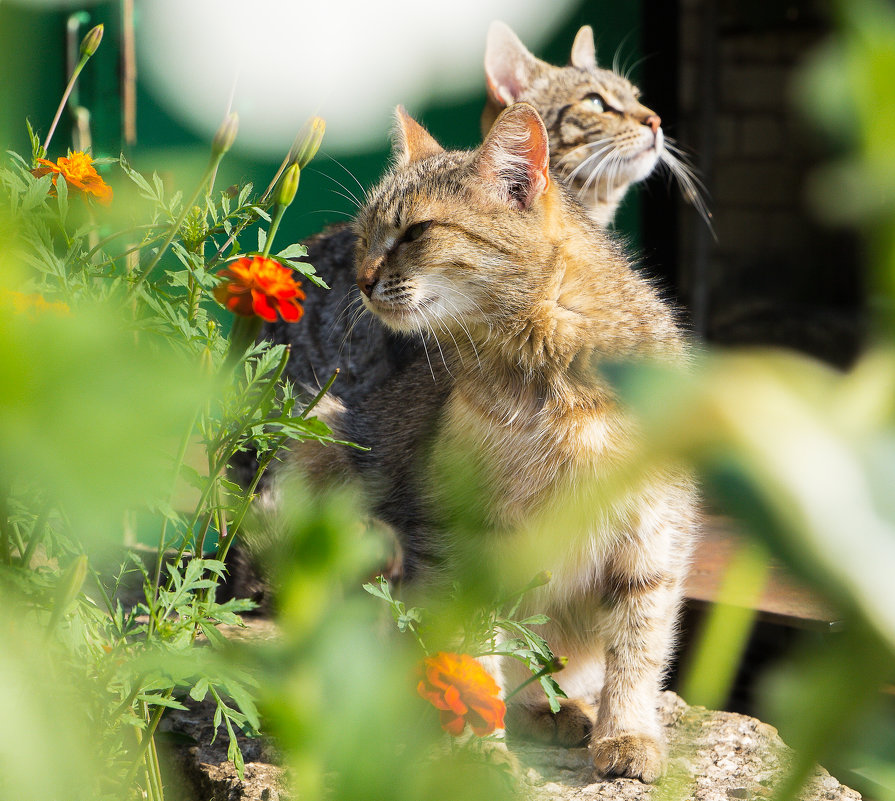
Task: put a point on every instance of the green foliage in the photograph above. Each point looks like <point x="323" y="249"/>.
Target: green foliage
<point x="118" y="396"/>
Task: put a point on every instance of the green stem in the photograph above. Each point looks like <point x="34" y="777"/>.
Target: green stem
<point x="195" y="288"/>
<point x="99" y="245"/>
<point x="531" y="679"/>
<point x="68" y="90"/>
<point x="242" y="336"/>
<point x="212" y="165"/>
<point x="232" y="237"/>
<point x="200" y="544"/>
<point x="154" y="772"/>
<point x="37" y="534"/>
<point x="146" y="741"/>
<point x="272" y="231"/>
<point x="17" y="536"/>
<point x="160" y="555"/>
<point x="319" y="396"/>
<point x="276" y="177"/>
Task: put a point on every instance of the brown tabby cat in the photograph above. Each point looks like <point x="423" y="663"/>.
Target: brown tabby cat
<point x="601" y="140"/>
<point x="526" y="298"/>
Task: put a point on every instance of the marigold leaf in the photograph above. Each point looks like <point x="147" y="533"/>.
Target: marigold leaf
<point x="293" y="251"/>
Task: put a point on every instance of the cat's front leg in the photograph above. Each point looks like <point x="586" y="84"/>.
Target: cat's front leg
<point x="642" y="597"/>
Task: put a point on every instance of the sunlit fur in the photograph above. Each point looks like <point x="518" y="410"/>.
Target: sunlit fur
<point x="526" y="300"/>
<point x="602" y="138"/>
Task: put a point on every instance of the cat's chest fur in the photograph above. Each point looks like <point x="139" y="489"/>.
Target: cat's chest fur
<point x="529" y="440"/>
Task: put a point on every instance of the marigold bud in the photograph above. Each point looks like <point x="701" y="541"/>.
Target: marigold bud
<point x="542" y="578"/>
<point x="90" y="43"/>
<point x="307" y="143"/>
<point x="70" y="583"/>
<point x="226" y="135"/>
<point x="194" y="229"/>
<point x="288" y="185"/>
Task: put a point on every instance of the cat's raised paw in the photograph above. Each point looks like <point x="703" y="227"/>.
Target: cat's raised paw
<point x="637" y="756"/>
<point x="570" y="727"/>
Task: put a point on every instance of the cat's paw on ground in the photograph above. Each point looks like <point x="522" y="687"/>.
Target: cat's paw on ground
<point x="570" y="727"/>
<point x="637" y="756"/>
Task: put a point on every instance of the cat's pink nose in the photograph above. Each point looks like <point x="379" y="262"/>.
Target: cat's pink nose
<point x="653" y="121"/>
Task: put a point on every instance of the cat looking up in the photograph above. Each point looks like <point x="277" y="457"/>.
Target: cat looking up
<point x="527" y="299"/>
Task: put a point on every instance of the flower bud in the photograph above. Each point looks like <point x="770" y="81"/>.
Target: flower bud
<point x="288" y="185"/>
<point x="307" y="142"/>
<point x="90" y="42"/>
<point x="557" y="664"/>
<point x="70" y="584"/>
<point x="224" y="138"/>
<point x="194" y="229"/>
<point x="542" y="578"/>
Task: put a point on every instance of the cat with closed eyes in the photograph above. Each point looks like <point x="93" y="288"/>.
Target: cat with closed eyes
<point x="602" y="140"/>
<point x="527" y="299"/>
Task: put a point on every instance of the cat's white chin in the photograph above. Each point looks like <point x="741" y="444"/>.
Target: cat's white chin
<point x="644" y="162"/>
<point x="402" y="319"/>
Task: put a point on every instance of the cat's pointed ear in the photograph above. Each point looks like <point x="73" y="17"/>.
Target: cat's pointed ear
<point x="410" y="141"/>
<point x="515" y="157"/>
<point x="509" y="67"/>
<point x="584" y="52"/>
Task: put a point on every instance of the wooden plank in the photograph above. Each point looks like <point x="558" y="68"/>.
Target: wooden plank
<point x="784" y="599"/>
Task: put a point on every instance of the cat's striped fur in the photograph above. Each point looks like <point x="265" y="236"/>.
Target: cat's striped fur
<point x="602" y="139"/>
<point x="526" y="298"/>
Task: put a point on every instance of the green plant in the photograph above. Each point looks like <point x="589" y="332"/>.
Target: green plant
<point x="123" y="393"/>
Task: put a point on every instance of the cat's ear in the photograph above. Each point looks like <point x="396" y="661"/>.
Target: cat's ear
<point x="515" y="157"/>
<point x="410" y="141"/>
<point x="509" y="67"/>
<point x="584" y="52"/>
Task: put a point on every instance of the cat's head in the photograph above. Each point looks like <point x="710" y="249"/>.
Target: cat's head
<point x="447" y="239"/>
<point x="602" y="138"/>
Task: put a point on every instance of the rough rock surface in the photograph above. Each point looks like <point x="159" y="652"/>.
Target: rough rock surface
<point x="714" y="756"/>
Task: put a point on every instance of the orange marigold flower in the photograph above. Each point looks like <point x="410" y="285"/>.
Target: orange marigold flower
<point x="79" y="173"/>
<point x="463" y="691"/>
<point x="260" y="287"/>
<point x="33" y="304"/>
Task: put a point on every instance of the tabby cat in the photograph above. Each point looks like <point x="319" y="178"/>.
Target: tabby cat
<point x="602" y="140"/>
<point x="526" y="298"/>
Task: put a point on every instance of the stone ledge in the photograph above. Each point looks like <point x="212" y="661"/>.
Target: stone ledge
<point x="716" y="756"/>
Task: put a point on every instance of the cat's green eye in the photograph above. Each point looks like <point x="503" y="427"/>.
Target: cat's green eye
<point x="596" y="101"/>
<point x="416" y="230"/>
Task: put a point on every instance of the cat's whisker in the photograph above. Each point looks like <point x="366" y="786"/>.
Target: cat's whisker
<point x="348" y="194"/>
<point x="350" y="198"/>
<point x="356" y="316"/>
<point x="444" y="288"/>
<point x="465" y="330"/>
<point x="448" y="331"/>
<point x="602" y="174"/>
<point x="340" y="212"/>
<point x="438" y="344"/>
<point x="425" y="349"/>
<point x="626" y="72"/>
<point x="573" y="153"/>
<point x="350" y="174"/>
<point x="693" y="188"/>
<point x="597" y="157"/>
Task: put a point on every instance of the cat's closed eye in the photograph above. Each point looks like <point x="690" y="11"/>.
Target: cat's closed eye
<point x="415" y="231"/>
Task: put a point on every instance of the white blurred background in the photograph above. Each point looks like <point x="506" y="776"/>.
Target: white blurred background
<point x="349" y="61"/>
